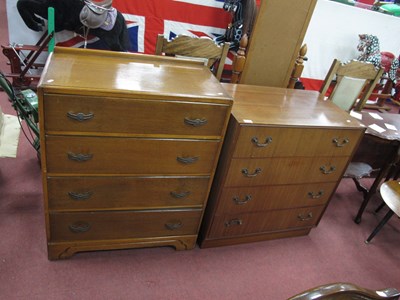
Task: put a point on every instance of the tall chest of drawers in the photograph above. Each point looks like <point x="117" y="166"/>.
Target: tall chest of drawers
<point x="284" y="154"/>
<point x="129" y="147"/>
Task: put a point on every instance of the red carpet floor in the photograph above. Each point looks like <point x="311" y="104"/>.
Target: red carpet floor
<point x="332" y="252"/>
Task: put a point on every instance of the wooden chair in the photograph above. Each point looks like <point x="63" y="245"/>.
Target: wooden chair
<point x="352" y="83"/>
<point x="195" y="47"/>
<point x="390" y="193"/>
<point x="344" y="291"/>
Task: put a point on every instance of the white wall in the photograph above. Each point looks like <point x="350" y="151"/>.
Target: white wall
<point x="333" y="33"/>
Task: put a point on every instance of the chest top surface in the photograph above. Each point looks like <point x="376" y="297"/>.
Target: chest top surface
<point x="261" y="105"/>
<point x="105" y="72"/>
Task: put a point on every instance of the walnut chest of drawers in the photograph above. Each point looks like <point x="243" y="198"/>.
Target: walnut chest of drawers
<point x="284" y="154"/>
<point x="129" y="147"/>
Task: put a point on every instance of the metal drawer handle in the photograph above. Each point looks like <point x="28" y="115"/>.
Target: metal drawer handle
<point x="268" y="140"/>
<point x="324" y="170"/>
<point x="79" y="156"/>
<point x="233" y="222"/>
<point x="173" y="225"/>
<point x="80" y="116"/>
<point x="246" y="173"/>
<point x="180" y="195"/>
<point x="187" y="160"/>
<point x="80" y="196"/>
<point x="79" y="227"/>
<point x="315" y="195"/>
<point x="195" y="122"/>
<point x="237" y="200"/>
<point x="340" y="143"/>
<point x="305" y="218"/>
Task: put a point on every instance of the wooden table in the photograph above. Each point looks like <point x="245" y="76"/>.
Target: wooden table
<point x="383" y="132"/>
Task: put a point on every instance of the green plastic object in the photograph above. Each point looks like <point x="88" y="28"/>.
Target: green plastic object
<point x="391" y="9"/>
<point x="50" y="28"/>
<point x="31" y="99"/>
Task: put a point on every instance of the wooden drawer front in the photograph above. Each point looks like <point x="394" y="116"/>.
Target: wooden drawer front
<point x="97" y="114"/>
<point x="253" y="199"/>
<point x="269" y="171"/>
<point x="241" y="224"/>
<point x="92" y="155"/>
<point x="120" y="225"/>
<point x="261" y="141"/>
<point x="94" y="193"/>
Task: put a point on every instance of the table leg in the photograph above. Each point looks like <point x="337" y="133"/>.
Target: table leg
<point x="370" y="193"/>
<point x="375" y="185"/>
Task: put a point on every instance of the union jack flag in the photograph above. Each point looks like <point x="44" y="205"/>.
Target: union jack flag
<point x="147" y="19"/>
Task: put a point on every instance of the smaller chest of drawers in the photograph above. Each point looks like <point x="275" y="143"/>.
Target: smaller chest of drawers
<point x="129" y="147"/>
<point x="284" y="154"/>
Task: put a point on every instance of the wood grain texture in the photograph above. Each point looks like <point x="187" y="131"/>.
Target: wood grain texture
<point x="129" y="147"/>
<point x="283" y="156"/>
<point x="390" y="192"/>
<point x="195" y="47"/>
<point x="275" y="42"/>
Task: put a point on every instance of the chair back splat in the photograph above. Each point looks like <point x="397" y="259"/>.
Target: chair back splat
<point x="195" y="47"/>
<point x="352" y="83"/>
